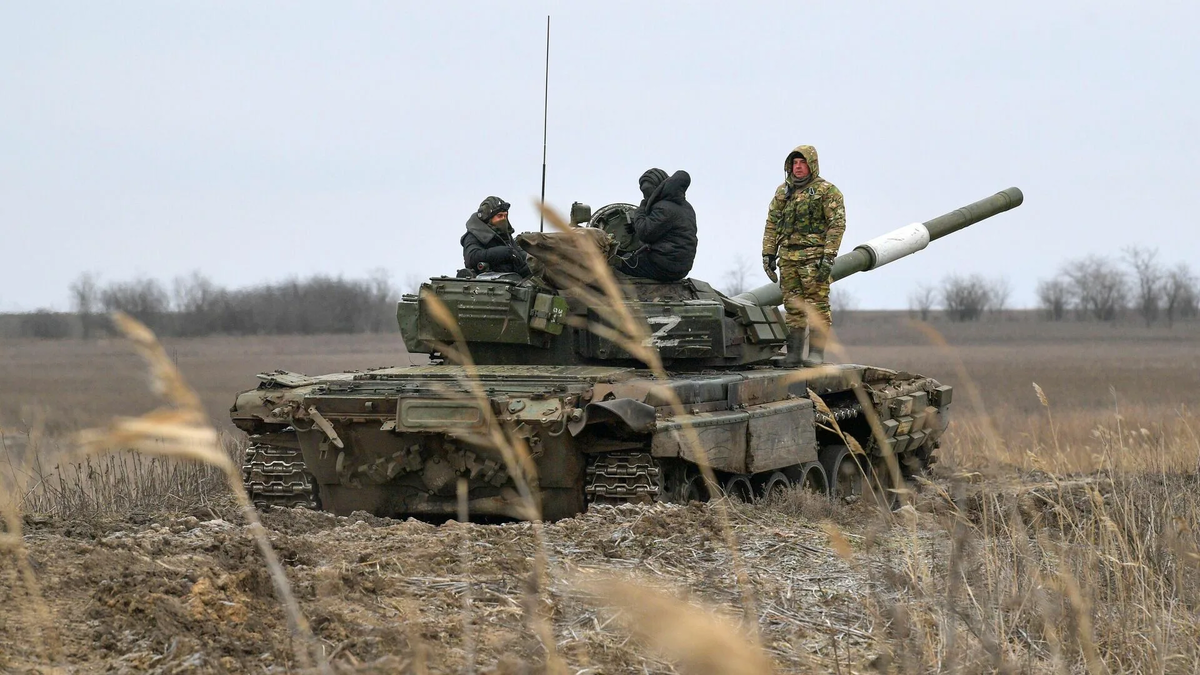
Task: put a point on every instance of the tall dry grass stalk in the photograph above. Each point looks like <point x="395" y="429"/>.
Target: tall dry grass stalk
<point x="1088" y="564"/>
<point x="520" y="465"/>
<point x="586" y="276"/>
<point x="590" y="279"/>
<point x="180" y="431"/>
<point x="696" y="639"/>
<point x="117" y="483"/>
<point x="12" y="540"/>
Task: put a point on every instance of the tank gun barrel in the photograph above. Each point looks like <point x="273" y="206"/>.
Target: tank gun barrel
<point x="900" y="243"/>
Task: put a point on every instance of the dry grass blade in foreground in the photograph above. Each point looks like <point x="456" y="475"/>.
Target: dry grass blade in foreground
<point x="697" y="641"/>
<point x="631" y="333"/>
<point x="520" y="465"/>
<point x="182" y="431"/>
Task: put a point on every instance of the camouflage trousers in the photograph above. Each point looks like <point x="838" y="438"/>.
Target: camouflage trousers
<point x="802" y="284"/>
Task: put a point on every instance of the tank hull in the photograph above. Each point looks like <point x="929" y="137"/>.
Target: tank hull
<point x="399" y="441"/>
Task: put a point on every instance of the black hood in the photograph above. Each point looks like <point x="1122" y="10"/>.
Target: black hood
<point x="673" y="189"/>
<point x="484" y="232"/>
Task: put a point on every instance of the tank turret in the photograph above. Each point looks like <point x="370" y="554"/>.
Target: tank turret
<point x="506" y="319"/>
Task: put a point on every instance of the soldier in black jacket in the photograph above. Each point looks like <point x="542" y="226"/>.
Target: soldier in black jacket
<point x="488" y="244"/>
<point x="665" y="226"/>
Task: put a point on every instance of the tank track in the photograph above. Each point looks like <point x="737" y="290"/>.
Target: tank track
<point x="622" y="477"/>
<point x="276" y="476"/>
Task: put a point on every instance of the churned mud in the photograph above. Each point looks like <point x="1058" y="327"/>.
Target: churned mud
<point x="189" y="593"/>
<point x="184" y="593"/>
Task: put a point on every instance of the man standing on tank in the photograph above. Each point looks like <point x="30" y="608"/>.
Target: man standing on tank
<point x="488" y="244"/>
<point x="664" y="226"/>
<point x="805" y="224"/>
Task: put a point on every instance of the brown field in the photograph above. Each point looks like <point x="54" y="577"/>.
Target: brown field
<point x="1053" y="538"/>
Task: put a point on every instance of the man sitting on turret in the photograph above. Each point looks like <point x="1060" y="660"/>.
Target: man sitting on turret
<point x="488" y="244"/>
<point x="664" y="226"/>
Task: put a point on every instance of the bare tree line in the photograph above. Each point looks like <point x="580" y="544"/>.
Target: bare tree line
<point x="194" y="305"/>
<point x="1102" y="289"/>
<point x="1093" y="287"/>
<point x="961" y="297"/>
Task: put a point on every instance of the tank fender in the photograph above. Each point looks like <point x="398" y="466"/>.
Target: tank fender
<point x="638" y="417"/>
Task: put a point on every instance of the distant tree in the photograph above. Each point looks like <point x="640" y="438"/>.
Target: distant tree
<point x="1054" y="296"/>
<point x="412" y="283"/>
<point x="381" y="301"/>
<point x="922" y="300"/>
<point x="144" y="299"/>
<point x="1098" y="286"/>
<point x="1179" y="292"/>
<point x="1148" y="281"/>
<point x="1190" y="307"/>
<point x="966" y="298"/>
<point x="737" y="278"/>
<point x="46" y="325"/>
<point x="85" y="300"/>
<point x="198" y="305"/>
<point x="999" y="292"/>
<point x="842" y="302"/>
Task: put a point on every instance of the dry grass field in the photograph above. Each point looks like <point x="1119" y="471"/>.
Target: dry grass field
<point x="1055" y="536"/>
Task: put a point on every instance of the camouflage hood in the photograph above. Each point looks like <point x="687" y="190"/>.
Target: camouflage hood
<point x="809" y="153"/>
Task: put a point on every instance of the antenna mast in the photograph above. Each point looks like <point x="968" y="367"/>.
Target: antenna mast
<point x="545" y="111"/>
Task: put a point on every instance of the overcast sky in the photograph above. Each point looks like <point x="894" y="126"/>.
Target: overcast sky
<point x="257" y="141"/>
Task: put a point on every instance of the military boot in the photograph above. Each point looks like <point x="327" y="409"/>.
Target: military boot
<point x="816" y="349"/>
<point x="795" y="347"/>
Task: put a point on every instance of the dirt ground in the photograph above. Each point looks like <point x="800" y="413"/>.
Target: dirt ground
<point x="188" y="593"/>
<point x="180" y="592"/>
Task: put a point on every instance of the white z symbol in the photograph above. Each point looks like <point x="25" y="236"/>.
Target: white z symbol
<point x="656" y="339"/>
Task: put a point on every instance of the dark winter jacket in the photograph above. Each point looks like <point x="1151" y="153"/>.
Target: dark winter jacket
<point x="665" y="224"/>
<point x="483" y="244"/>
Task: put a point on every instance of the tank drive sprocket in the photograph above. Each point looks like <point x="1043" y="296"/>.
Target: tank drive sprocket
<point x="622" y="477"/>
<point x="276" y="476"/>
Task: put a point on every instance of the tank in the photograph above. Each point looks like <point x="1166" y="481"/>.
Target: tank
<point x="532" y="393"/>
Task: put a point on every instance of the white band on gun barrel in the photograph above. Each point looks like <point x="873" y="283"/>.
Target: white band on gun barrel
<point x="896" y="244"/>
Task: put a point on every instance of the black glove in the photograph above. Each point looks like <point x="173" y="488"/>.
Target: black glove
<point x="497" y="255"/>
<point x="825" y="269"/>
<point x="769" y="267"/>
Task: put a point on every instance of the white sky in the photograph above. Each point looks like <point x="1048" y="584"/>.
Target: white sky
<point x="257" y="141"/>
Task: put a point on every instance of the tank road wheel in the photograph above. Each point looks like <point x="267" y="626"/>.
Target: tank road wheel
<point x="844" y="474"/>
<point x="814" y="479"/>
<point x="683" y="484"/>
<point x="692" y="490"/>
<point x="883" y="489"/>
<point x="276" y="476"/>
<point x="738" y="487"/>
<point x="774" y="486"/>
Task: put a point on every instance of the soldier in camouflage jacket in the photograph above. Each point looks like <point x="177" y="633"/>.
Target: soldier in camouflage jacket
<point x="805" y="224"/>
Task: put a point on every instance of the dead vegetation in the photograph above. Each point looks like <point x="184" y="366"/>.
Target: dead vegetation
<point x="1057" y="535"/>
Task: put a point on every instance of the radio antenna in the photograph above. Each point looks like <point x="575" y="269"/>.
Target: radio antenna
<point x="545" y="111"/>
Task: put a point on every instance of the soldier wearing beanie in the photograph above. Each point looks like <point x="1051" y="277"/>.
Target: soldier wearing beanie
<point x="488" y="244"/>
<point x="664" y="228"/>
